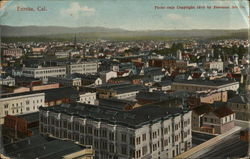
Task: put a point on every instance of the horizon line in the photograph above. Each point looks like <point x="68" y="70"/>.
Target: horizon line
<point x="123" y="28"/>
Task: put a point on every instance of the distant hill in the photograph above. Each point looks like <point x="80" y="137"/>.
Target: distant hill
<point x="114" y="33"/>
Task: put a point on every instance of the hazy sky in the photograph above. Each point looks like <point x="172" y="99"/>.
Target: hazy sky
<point x="127" y="14"/>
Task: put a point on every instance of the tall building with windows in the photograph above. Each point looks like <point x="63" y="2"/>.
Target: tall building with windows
<point x="151" y="131"/>
<point x="86" y="67"/>
<point x="44" y="72"/>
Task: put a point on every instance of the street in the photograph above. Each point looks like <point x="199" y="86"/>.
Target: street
<point x="231" y="147"/>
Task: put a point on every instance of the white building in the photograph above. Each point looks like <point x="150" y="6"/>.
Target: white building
<point x="107" y="75"/>
<point x="151" y="131"/>
<point x="20" y="103"/>
<point x="87" y="67"/>
<point x="8" y="81"/>
<point x="218" y="65"/>
<point x="87" y="98"/>
<point x="44" y="72"/>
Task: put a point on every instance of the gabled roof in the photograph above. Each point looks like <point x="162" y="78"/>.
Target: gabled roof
<point x="203" y="109"/>
<point x="223" y="111"/>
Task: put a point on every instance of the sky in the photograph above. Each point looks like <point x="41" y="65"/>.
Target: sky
<point x="127" y="14"/>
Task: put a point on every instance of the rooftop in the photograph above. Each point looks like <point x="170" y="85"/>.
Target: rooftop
<point x="241" y="99"/>
<point x="30" y="117"/>
<point x="122" y="87"/>
<point x="41" y="147"/>
<point x="206" y="82"/>
<point x="133" y="118"/>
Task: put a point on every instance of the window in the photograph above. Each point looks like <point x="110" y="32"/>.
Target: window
<point x="154" y="134"/>
<point x="138" y="153"/>
<point x="132" y="153"/>
<point x="144" y="150"/>
<point x="212" y="120"/>
<point x="165" y="130"/>
<point x="124" y="138"/>
<point x="111" y="136"/>
<point x="6" y="112"/>
<point x="154" y="147"/>
<point x="90" y="130"/>
<point x="6" y="106"/>
<point x="138" y="140"/>
<point x="131" y="140"/>
<point x="111" y="148"/>
<point x="205" y="119"/>
<point x="144" y="137"/>
<point x="124" y="150"/>
<point x="104" y="133"/>
<point x="165" y="142"/>
<point x="96" y="132"/>
<point x="96" y="144"/>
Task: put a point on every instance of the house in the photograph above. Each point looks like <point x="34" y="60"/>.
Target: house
<point x="89" y="79"/>
<point x="107" y="75"/>
<point x="153" y="73"/>
<point x="212" y="119"/>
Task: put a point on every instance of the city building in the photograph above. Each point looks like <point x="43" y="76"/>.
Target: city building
<point x="212" y="119"/>
<point x="89" y="79"/>
<point x="12" y="52"/>
<point x="107" y="75"/>
<point x="87" y="97"/>
<point x="240" y="104"/>
<point x="217" y="65"/>
<point x="60" y="95"/>
<point x="43" y="147"/>
<point x="86" y="67"/>
<point x="66" y="81"/>
<point x="8" y="81"/>
<point x="20" y="103"/>
<point x="44" y="72"/>
<point x="151" y="131"/>
<point x="20" y="126"/>
<point x="209" y="97"/>
<point x="119" y="91"/>
<point x="205" y="85"/>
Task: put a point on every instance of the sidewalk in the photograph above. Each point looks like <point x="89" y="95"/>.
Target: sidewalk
<point x="206" y="144"/>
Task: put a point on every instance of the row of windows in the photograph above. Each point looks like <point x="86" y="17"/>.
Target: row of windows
<point x="88" y="140"/>
<point x="51" y="71"/>
<point x="17" y="111"/>
<point x="86" y="129"/>
<point x="27" y="102"/>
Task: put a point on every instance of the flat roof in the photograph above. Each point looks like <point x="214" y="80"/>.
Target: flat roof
<point x="18" y="94"/>
<point x="134" y="118"/>
<point x="206" y="82"/>
<point x="30" y="117"/>
<point x="41" y="147"/>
